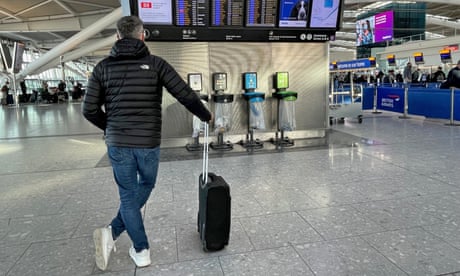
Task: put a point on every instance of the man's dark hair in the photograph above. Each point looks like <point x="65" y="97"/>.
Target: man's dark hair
<point x="130" y="27"/>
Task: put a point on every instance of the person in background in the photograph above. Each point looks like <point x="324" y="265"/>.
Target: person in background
<point x="23" y="98"/>
<point x="5" y="90"/>
<point x="407" y="73"/>
<point x="123" y="98"/>
<point x="390" y="77"/>
<point x="399" y="77"/>
<point x="453" y="77"/>
<point x="438" y="76"/>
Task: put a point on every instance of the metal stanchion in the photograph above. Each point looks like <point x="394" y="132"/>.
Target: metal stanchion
<point x="406" y="102"/>
<point x="375" y="101"/>
<point x="452" y="93"/>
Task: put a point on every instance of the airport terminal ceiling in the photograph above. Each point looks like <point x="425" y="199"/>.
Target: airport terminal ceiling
<point x="44" y="24"/>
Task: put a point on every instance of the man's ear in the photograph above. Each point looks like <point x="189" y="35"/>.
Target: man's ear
<point x="118" y="36"/>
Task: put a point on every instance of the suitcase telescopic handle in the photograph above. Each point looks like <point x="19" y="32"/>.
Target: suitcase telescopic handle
<point x="205" y="153"/>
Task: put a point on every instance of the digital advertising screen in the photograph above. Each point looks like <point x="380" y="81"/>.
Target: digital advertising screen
<point x="261" y="13"/>
<point x="227" y="12"/>
<point x="324" y="13"/>
<point x="293" y="14"/>
<point x="374" y="29"/>
<point x="191" y="13"/>
<point x="155" y="11"/>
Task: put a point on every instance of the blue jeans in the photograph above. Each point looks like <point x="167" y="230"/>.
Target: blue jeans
<point x="135" y="171"/>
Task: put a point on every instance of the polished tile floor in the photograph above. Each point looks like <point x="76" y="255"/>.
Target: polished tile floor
<point x="378" y="198"/>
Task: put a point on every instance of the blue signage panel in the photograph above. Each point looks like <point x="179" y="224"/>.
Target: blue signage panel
<point x="355" y="64"/>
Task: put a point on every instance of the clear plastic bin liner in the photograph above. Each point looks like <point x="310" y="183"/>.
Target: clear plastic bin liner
<point x="223" y="117"/>
<point x="198" y="125"/>
<point x="287" y="115"/>
<point x="256" y="114"/>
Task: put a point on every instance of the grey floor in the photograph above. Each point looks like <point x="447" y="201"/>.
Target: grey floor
<point x="379" y="198"/>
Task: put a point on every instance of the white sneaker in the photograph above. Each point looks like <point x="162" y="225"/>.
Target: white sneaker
<point x="142" y="258"/>
<point x="104" y="243"/>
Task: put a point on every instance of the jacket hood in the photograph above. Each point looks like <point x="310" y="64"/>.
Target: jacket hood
<point x="129" y="48"/>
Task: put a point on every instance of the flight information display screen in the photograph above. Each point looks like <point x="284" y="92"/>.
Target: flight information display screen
<point x="155" y="11"/>
<point x="227" y="12"/>
<point x="238" y="20"/>
<point x="191" y="13"/>
<point x="261" y="13"/>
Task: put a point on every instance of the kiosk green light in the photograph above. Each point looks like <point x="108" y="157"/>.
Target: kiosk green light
<point x="286" y="109"/>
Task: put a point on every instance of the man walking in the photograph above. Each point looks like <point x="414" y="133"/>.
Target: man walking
<point x="128" y="84"/>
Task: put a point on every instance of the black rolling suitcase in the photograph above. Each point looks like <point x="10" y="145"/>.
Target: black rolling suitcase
<point x="214" y="206"/>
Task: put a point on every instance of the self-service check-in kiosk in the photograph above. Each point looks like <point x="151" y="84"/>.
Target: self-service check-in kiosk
<point x="286" y="109"/>
<point x="223" y="111"/>
<point x="195" y="82"/>
<point x="255" y="107"/>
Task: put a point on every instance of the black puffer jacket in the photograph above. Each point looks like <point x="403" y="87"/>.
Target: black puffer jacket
<point x="128" y="84"/>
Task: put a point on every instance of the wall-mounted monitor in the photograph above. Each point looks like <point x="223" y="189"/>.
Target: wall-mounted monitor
<point x="238" y="20"/>
<point x="261" y="13"/>
<point x="191" y="13"/>
<point x="294" y="13"/>
<point x="158" y="12"/>
<point x="227" y="13"/>
<point x="333" y="65"/>
<point x="372" y="62"/>
<point x="391" y="60"/>
<point x="374" y="29"/>
<point x="325" y="13"/>
<point x="446" y="56"/>
<point x="418" y="58"/>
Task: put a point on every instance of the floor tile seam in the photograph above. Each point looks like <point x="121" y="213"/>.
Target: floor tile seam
<point x="309" y="224"/>
<point x="375" y="220"/>
<point x="404" y="229"/>
<point x="439" y="237"/>
<point x="347" y="238"/>
<point x="407" y="169"/>
<point x="18" y="259"/>
<point x="381" y="254"/>
<point x="455" y="273"/>
<point x="293" y="246"/>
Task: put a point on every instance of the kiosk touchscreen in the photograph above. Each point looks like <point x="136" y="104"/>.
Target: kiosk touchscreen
<point x="250" y="81"/>
<point x="281" y="80"/>
<point x="255" y="110"/>
<point x="219" y="81"/>
<point x="195" y="81"/>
